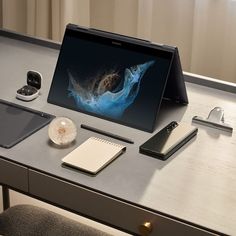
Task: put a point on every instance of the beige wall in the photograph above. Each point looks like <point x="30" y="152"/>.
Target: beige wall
<point x="214" y="39"/>
<point x="114" y="15"/>
<point x="101" y="14"/>
<point x="44" y="18"/>
<point x="14" y="15"/>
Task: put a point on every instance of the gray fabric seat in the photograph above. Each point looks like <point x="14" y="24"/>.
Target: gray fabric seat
<point x="27" y="220"/>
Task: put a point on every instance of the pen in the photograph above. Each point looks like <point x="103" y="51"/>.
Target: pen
<point x="106" y="133"/>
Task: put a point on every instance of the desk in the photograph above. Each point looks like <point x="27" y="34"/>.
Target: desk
<point x="192" y="193"/>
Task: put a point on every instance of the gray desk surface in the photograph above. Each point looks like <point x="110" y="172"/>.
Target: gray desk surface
<point x="197" y="184"/>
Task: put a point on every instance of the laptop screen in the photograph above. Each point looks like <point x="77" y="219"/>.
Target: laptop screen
<point x="110" y="77"/>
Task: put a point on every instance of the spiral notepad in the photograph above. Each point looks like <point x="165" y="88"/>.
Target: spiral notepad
<point x="93" y="155"/>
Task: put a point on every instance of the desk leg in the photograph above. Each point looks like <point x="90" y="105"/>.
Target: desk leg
<point x="5" y="197"/>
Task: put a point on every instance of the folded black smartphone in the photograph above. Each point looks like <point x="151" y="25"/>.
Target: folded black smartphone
<point x="168" y="140"/>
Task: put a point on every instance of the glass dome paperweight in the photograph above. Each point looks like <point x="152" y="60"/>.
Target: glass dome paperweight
<point x="62" y="131"/>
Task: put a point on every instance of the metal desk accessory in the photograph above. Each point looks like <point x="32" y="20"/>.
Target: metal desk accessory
<point x="215" y="120"/>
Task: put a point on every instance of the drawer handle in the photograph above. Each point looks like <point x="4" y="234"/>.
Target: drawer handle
<point x="145" y="229"/>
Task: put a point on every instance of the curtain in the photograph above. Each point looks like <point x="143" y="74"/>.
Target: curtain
<point x="44" y="18"/>
<point x="214" y="39"/>
<point x="203" y="30"/>
<point x="0" y="13"/>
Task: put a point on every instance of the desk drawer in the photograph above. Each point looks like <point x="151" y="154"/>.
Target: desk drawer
<point x="13" y="175"/>
<point x="105" y="209"/>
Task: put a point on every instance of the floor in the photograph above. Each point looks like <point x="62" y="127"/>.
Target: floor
<point x="17" y="198"/>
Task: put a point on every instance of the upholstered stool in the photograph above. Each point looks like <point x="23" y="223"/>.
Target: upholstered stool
<point x="28" y="220"/>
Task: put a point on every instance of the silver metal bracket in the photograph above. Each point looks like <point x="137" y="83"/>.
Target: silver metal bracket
<point x="215" y="120"/>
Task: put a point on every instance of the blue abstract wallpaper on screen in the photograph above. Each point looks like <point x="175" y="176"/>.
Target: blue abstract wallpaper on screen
<point x="108" y="94"/>
<point x="117" y="83"/>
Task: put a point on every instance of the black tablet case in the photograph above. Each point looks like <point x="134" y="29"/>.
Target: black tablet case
<point x="18" y="122"/>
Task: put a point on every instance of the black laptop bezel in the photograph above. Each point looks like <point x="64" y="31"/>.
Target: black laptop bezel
<point x="116" y="41"/>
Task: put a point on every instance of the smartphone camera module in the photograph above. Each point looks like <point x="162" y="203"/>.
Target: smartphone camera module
<point x="172" y="126"/>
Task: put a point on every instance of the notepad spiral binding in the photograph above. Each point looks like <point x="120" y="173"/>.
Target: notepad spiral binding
<point x="108" y="142"/>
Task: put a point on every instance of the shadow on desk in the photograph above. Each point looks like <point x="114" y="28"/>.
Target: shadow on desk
<point x="169" y="110"/>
